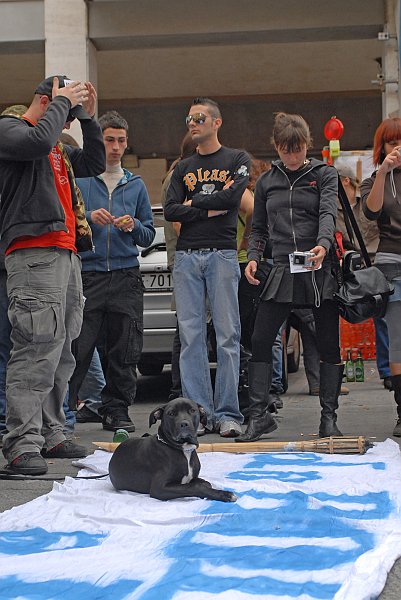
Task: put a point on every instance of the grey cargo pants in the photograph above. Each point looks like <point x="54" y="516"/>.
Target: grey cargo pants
<point x="44" y="287"/>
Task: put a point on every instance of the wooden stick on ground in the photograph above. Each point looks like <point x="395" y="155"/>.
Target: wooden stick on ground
<point x="330" y="445"/>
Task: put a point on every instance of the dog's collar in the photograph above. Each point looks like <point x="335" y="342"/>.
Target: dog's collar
<point x="160" y="439"/>
<point x="174" y="445"/>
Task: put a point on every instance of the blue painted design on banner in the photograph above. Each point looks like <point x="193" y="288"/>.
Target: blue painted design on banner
<point x="38" y="540"/>
<point x="32" y="541"/>
<point x="290" y="476"/>
<point x="240" y="546"/>
<point x="295" y="516"/>
<point x="302" y="460"/>
<point x="67" y="589"/>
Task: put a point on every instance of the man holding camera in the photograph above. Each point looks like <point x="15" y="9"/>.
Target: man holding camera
<point x="42" y="225"/>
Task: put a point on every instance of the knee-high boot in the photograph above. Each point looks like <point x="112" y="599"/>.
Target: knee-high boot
<point x="330" y="385"/>
<point x="396" y="383"/>
<point x="260" y="418"/>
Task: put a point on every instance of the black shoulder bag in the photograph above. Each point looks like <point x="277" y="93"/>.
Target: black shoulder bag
<point x="363" y="293"/>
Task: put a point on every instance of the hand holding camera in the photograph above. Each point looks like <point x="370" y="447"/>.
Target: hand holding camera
<point x="303" y="258"/>
<point x="319" y="253"/>
<point x="307" y="261"/>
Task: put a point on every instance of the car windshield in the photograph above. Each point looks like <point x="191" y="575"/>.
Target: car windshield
<point x="158" y="216"/>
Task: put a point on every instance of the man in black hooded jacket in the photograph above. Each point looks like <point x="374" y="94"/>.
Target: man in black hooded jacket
<point x="42" y="225"/>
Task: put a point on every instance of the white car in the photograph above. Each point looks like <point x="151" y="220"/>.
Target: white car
<point x="159" y="321"/>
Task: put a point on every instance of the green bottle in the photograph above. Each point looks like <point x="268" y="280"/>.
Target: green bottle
<point x="350" y="367"/>
<point x="359" y="368"/>
<point x="120" y="436"/>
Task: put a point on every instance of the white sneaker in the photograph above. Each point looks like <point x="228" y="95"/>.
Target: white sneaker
<point x="230" y="429"/>
<point x="201" y="430"/>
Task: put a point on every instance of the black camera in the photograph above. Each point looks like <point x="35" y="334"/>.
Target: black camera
<point x="303" y="258"/>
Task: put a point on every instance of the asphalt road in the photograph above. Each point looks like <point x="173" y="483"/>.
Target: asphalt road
<point x="368" y="410"/>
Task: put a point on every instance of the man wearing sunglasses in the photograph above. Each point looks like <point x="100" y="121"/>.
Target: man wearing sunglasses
<point x="204" y="197"/>
<point x="42" y="225"/>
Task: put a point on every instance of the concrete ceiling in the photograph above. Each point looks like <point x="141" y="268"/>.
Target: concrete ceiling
<point x="147" y="49"/>
<point x="317" y="57"/>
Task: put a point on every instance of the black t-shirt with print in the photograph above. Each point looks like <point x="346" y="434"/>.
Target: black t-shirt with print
<point x="201" y="178"/>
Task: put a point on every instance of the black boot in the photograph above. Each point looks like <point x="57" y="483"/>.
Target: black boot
<point x="396" y="386"/>
<point x="330" y="385"/>
<point x="260" y="419"/>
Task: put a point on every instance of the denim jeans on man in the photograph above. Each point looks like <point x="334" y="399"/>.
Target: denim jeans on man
<point x="93" y="384"/>
<point x="89" y="392"/>
<point x="5" y="346"/>
<point x="382" y="359"/>
<point x="44" y="286"/>
<point x="198" y="273"/>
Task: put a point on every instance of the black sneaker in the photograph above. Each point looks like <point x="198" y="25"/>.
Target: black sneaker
<point x="28" y="463"/>
<point x="86" y="415"/>
<point x="66" y="449"/>
<point x="118" y="420"/>
<point x="388" y="384"/>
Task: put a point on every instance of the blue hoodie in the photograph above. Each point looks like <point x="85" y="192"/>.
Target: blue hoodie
<point x="116" y="249"/>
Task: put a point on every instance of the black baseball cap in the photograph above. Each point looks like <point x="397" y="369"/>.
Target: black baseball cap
<point x="45" y="88"/>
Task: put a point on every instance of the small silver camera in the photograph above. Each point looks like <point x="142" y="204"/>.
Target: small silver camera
<point x="303" y="258"/>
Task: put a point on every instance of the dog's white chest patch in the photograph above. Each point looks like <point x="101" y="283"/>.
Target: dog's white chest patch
<point x="187" y="450"/>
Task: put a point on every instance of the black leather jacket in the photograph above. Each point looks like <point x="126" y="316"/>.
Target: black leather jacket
<point x="297" y="216"/>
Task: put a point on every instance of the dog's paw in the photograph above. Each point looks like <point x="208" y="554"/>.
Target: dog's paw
<point x="228" y="496"/>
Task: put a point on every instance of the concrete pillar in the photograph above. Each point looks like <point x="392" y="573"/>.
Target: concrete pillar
<point x="398" y="33"/>
<point x="391" y="61"/>
<point x="68" y="50"/>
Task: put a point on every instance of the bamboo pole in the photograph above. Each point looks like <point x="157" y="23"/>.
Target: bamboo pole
<point x="330" y="445"/>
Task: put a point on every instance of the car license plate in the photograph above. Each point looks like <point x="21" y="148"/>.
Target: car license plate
<point x="158" y="281"/>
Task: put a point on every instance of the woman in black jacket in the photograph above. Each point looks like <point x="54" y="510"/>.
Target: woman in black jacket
<point x="295" y="209"/>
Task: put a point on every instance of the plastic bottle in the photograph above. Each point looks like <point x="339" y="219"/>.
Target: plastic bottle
<point x="359" y="368"/>
<point x="350" y="367"/>
<point x="120" y="436"/>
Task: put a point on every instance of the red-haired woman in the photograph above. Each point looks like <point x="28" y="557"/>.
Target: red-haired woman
<point x="381" y="196"/>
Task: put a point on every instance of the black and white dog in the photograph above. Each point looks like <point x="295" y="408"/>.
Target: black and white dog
<point x="165" y="465"/>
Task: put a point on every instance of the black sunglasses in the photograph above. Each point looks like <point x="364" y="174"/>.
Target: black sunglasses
<point x="198" y="118"/>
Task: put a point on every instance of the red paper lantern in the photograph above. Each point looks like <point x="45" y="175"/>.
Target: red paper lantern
<point x="334" y="129"/>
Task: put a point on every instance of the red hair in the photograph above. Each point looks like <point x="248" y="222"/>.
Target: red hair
<point x="257" y="168"/>
<point x="388" y="131"/>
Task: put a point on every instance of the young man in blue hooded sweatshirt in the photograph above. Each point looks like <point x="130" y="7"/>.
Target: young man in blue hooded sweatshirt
<point x="120" y="215"/>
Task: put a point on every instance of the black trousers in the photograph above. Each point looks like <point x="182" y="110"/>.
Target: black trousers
<point x="271" y="315"/>
<point x="113" y="318"/>
<point x="247" y="298"/>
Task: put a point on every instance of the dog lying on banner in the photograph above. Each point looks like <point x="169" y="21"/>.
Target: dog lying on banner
<point x="165" y="465"/>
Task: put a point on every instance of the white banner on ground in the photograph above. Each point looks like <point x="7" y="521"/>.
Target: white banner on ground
<point x="306" y="526"/>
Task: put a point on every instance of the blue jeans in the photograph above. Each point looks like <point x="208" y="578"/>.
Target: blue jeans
<point x="198" y="274"/>
<point x="93" y="384"/>
<point x="89" y="392"/>
<point x="70" y="419"/>
<point x="382" y="359"/>
<point x="5" y="346"/>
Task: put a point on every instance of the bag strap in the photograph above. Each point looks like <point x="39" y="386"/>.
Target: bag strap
<point x="351" y="224"/>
